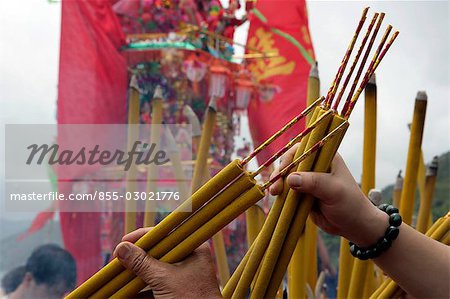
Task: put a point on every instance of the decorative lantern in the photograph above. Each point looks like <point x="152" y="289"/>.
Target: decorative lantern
<point x="218" y="80"/>
<point x="195" y="71"/>
<point x="244" y="91"/>
<point x="267" y="91"/>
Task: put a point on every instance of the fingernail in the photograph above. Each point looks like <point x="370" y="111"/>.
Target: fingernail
<point x="295" y="180"/>
<point x="123" y="251"/>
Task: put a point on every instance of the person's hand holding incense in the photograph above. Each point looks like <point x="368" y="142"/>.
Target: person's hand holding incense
<point x="341" y="208"/>
<point x="194" y="277"/>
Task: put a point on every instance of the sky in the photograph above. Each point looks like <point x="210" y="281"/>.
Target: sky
<point x="29" y="46"/>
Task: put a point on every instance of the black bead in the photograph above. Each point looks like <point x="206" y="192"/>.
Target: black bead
<point x="384" y="244"/>
<point x="366" y="254"/>
<point x="375" y="252"/>
<point x="392" y="233"/>
<point x="383" y="207"/>
<point x="391" y="210"/>
<point x="395" y="219"/>
<point x="360" y="254"/>
<point x="353" y="249"/>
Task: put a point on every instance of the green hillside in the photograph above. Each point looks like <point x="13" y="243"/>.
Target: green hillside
<point x="441" y="199"/>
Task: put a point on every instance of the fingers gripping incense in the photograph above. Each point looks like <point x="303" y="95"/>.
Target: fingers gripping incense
<point x="310" y="151"/>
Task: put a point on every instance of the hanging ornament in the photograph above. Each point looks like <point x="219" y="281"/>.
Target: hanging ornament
<point x="218" y="79"/>
<point x="195" y="71"/>
<point x="244" y="90"/>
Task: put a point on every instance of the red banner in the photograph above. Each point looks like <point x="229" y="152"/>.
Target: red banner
<point x="92" y="89"/>
<point x="281" y="29"/>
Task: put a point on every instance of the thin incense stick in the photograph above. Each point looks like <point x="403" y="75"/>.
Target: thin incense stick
<point x="282" y="130"/>
<point x="340" y="72"/>
<point x="311" y="150"/>
<point x="366" y="55"/>
<point x="373" y="66"/>
<point x="355" y="61"/>
<point x="291" y="143"/>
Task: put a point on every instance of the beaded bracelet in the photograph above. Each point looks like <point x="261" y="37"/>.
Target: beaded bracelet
<point x="395" y="220"/>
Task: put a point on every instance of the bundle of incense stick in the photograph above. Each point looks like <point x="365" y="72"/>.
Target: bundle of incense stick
<point x="263" y="267"/>
<point x="439" y="231"/>
<point x="210" y="208"/>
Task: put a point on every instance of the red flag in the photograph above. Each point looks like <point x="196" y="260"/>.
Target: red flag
<point x="280" y="28"/>
<point x="92" y="89"/>
<point x="38" y="223"/>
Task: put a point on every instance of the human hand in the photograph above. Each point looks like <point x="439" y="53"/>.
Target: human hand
<point x="193" y="277"/>
<point x="341" y="207"/>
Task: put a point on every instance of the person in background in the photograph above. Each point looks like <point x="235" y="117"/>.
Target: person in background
<point x="12" y="280"/>
<point x="50" y="272"/>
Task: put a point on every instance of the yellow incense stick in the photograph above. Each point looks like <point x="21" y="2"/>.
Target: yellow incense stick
<point x="421" y="174"/>
<point x="221" y="258"/>
<point x="345" y="269"/>
<point x="361" y="269"/>
<point x="253" y="224"/>
<point x="205" y="143"/>
<point x="303" y="267"/>
<point x="195" y="125"/>
<point x="133" y="135"/>
<point x="241" y="280"/>
<point x="311" y="229"/>
<point x="177" y="167"/>
<point x="220" y="252"/>
<point x="234" y="279"/>
<point x="152" y="170"/>
<point x="427" y="198"/>
<point x="412" y="163"/>
<point x="397" y="193"/>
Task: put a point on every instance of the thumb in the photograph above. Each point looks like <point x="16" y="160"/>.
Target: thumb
<point x="149" y="269"/>
<point x="320" y="185"/>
